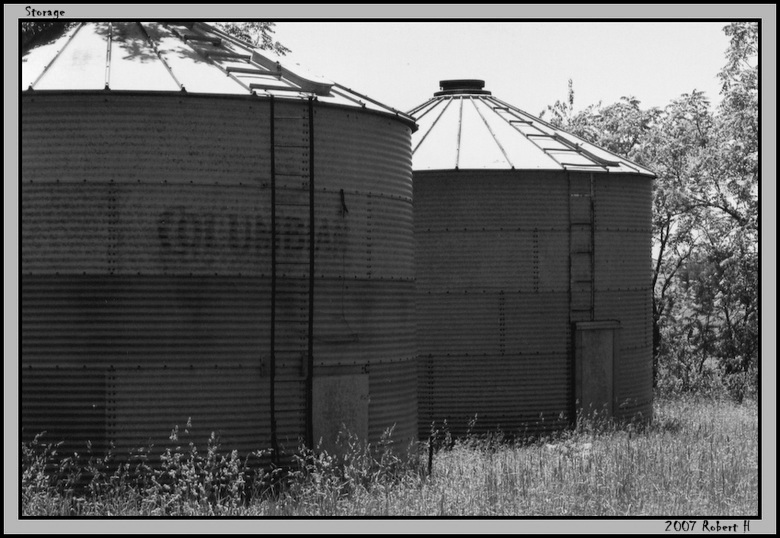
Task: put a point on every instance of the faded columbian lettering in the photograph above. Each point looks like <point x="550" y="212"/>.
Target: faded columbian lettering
<point x="190" y="234"/>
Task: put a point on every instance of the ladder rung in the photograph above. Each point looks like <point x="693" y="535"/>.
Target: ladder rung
<point x="258" y="86"/>
<point x="226" y="55"/>
<point x="196" y="37"/>
<point x="206" y="39"/>
<point x="248" y="70"/>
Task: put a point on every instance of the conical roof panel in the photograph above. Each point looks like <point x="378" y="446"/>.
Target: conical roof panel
<point x="465" y="127"/>
<point x="191" y="57"/>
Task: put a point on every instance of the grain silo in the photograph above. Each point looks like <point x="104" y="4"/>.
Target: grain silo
<point x="209" y="235"/>
<point x="533" y="269"/>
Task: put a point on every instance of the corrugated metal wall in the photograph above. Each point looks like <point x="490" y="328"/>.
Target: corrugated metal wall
<point x="364" y="306"/>
<point x="507" y="262"/>
<point x="493" y="300"/>
<point x="623" y="283"/>
<point x="146" y="267"/>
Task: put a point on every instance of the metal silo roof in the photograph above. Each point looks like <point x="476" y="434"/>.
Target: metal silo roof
<point x="165" y="57"/>
<point x="464" y="126"/>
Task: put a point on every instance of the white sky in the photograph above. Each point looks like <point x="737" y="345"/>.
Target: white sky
<point x="527" y="64"/>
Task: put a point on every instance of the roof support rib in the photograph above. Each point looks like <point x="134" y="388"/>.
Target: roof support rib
<point x="248" y="88"/>
<point x="449" y="101"/>
<point x="108" y="54"/>
<point x="45" y="69"/>
<point x="460" y="132"/>
<point x="508" y="160"/>
<point x="160" y="56"/>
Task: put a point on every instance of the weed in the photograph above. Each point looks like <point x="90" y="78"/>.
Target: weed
<point x="698" y="457"/>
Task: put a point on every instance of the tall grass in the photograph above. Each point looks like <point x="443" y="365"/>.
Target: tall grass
<point x="697" y="458"/>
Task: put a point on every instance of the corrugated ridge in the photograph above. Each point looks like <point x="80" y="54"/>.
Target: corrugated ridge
<point x="163" y="137"/>
<point x="393" y="389"/>
<point x="512" y="393"/>
<point x="483" y="200"/>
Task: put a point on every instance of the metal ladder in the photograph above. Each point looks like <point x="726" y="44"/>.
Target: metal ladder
<point x="581" y="241"/>
<point x="292" y="252"/>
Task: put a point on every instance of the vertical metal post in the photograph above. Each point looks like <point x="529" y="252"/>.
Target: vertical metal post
<point x="592" y="250"/>
<point x="108" y="55"/>
<point x="272" y="373"/>
<point x="572" y="333"/>
<point x="310" y="359"/>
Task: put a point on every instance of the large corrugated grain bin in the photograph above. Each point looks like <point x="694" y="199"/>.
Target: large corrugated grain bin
<point x="533" y="270"/>
<point x="209" y="236"/>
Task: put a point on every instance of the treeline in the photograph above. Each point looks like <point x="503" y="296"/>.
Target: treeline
<point x="705" y="219"/>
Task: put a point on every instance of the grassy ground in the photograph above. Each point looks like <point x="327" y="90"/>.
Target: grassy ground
<point x="697" y="458"/>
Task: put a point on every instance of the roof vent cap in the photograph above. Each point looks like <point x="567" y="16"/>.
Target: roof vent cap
<point x="462" y="86"/>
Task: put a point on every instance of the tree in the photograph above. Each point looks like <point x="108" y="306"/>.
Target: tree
<point x="256" y="34"/>
<point x="705" y="215"/>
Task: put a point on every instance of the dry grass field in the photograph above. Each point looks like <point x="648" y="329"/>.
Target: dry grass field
<point x="699" y="457"/>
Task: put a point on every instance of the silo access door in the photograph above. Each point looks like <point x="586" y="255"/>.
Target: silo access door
<point x="595" y="354"/>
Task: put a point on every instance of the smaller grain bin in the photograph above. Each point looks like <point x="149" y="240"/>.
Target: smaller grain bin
<point x="533" y="269"/>
<point x="207" y="235"/>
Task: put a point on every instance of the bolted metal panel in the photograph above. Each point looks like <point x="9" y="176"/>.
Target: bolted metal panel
<point x="290" y="413"/>
<point x="146" y="403"/>
<point x="622" y="259"/>
<point x="65" y="405"/>
<point x="393" y="402"/>
<point x="492" y="323"/>
<point x="492" y="299"/>
<point x="529" y="395"/>
<point x="526" y="260"/>
<point x="623" y="202"/>
<point x="143" y="139"/>
<point x="631" y="309"/>
<point x="64" y="229"/>
<point x="363" y="153"/>
<point x="477" y="200"/>
<point x="364" y="322"/>
<point x="147" y="250"/>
